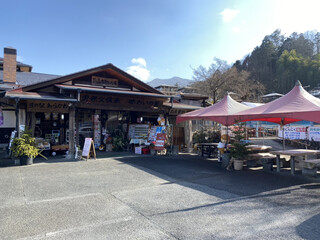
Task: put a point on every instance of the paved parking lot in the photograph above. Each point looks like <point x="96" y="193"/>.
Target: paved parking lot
<point x="161" y="197"/>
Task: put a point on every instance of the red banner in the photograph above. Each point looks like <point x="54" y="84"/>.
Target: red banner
<point x="160" y="141"/>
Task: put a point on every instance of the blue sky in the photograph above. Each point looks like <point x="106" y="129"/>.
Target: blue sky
<point x="147" y="38"/>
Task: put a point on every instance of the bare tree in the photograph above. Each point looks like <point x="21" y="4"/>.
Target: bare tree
<point x="241" y="83"/>
<point x="219" y="78"/>
<point x="210" y="81"/>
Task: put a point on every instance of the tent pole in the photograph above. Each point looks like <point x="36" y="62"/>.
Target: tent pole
<point x="227" y="140"/>
<point x="283" y="140"/>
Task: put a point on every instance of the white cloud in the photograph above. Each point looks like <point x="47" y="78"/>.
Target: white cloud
<point x="139" y="70"/>
<point x="236" y="29"/>
<point x="139" y="61"/>
<point x="229" y="14"/>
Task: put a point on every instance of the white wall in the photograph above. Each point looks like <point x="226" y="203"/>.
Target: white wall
<point x="9" y="119"/>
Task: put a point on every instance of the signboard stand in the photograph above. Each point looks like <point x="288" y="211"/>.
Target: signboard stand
<point x="88" y="149"/>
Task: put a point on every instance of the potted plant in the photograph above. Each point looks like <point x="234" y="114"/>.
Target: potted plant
<point x="24" y="148"/>
<point x="118" y="143"/>
<point x="239" y="150"/>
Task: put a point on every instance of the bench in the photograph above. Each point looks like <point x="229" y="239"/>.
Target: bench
<point x="310" y="167"/>
<point x="266" y="159"/>
<point x="263" y="157"/>
<point x="311" y="163"/>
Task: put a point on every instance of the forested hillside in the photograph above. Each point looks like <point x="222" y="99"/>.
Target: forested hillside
<point x="274" y="66"/>
<point x="280" y="61"/>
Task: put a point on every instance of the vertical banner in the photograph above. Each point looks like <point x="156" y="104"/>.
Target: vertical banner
<point x="1" y="116"/>
<point x="96" y="131"/>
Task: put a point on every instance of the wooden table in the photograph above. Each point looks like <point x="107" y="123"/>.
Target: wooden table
<point x="209" y="148"/>
<point x="293" y="153"/>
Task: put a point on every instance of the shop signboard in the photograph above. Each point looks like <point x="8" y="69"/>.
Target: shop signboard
<point x="314" y="134"/>
<point x="106" y="82"/>
<point x="293" y="132"/>
<point x="138" y="131"/>
<point x="88" y="148"/>
<point x="51" y="107"/>
<point x="160" y="141"/>
<point x="301" y="132"/>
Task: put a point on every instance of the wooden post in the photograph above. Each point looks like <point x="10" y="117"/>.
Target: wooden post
<point x="77" y="127"/>
<point x="188" y="135"/>
<point x="28" y="121"/>
<point x="278" y="163"/>
<point x="71" y="130"/>
<point x="17" y="117"/>
<point x="33" y="122"/>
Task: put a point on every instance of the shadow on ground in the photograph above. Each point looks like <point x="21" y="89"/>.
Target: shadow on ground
<point x="183" y="169"/>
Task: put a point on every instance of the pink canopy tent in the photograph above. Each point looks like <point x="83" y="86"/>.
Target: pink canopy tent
<point x="297" y="105"/>
<point x="218" y="112"/>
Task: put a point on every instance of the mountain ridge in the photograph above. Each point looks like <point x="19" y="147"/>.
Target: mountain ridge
<point x="182" y="82"/>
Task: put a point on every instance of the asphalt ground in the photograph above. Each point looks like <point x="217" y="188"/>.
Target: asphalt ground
<point x="125" y="196"/>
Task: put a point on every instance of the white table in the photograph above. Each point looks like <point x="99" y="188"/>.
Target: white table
<point x="293" y="153"/>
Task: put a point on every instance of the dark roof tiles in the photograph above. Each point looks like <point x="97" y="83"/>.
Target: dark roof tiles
<point x="29" y="78"/>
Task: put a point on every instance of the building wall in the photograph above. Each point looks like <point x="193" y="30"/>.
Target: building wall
<point x="9" y="119"/>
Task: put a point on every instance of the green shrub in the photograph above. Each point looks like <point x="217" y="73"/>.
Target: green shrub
<point x="24" y="146"/>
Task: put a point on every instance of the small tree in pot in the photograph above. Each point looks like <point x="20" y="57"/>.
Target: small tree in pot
<point x="239" y="150"/>
<point x="24" y="147"/>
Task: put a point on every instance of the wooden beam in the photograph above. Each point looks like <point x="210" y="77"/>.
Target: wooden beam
<point x="17" y="117"/>
<point x="71" y="130"/>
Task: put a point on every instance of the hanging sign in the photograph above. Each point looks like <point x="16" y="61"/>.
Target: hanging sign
<point x="88" y="149"/>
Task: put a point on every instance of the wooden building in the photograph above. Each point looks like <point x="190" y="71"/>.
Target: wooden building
<point x="95" y="101"/>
